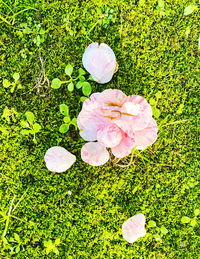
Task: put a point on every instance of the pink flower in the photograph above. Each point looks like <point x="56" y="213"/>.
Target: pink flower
<point x="100" y="62"/>
<point x="58" y="159"/>
<point x="133" y="228"/>
<point x="118" y="122"/>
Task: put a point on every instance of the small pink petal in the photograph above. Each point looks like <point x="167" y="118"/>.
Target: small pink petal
<point x="100" y="62"/>
<point x="147" y="136"/>
<point x="134" y="228"/>
<point x="109" y="136"/>
<point x="58" y="159"/>
<point x="124" y="148"/>
<point x="94" y="154"/>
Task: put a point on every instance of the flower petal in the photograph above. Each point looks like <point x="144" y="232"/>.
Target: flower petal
<point x="134" y="228"/>
<point x="147" y="136"/>
<point x="109" y="136"/>
<point x="100" y="62"/>
<point x="124" y="148"/>
<point x="86" y="134"/>
<point x="58" y="159"/>
<point x="94" y="154"/>
<point x="136" y="114"/>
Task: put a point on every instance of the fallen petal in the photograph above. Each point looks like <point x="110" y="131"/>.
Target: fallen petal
<point x="100" y="62"/>
<point x="58" y="159"/>
<point x="134" y="228"/>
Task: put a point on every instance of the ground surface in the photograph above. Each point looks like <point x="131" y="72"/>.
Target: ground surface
<point x="157" y="50"/>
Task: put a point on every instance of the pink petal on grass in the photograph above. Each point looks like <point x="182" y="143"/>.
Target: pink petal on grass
<point x="124" y="148"/>
<point x="109" y="136"/>
<point x="94" y="154"/>
<point x="134" y="228"/>
<point x="100" y="62"/>
<point x="58" y="159"/>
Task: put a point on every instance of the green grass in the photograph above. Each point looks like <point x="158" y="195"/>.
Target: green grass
<point x="154" y="54"/>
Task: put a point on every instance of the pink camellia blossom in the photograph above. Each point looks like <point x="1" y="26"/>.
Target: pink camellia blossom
<point x="116" y="121"/>
<point x="134" y="228"/>
<point x="100" y="62"/>
<point x="58" y="159"/>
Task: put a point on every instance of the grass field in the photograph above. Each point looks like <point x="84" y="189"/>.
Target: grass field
<point x="157" y="48"/>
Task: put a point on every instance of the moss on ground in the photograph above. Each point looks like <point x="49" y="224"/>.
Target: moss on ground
<point x="155" y="54"/>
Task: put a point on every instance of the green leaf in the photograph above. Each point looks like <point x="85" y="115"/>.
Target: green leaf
<point x="55" y="250"/>
<point x="46" y="243"/>
<point x="6" y="83"/>
<point x="90" y="78"/>
<point x="152" y="224"/>
<point x="161" y="4"/>
<point x="56" y="83"/>
<point x="142" y="2"/>
<point x="48" y="249"/>
<point x="70" y="87"/>
<point x="27" y="30"/>
<point x="64" y="109"/>
<point x="74" y="122"/>
<point x="25" y="132"/>
<point x="57" y="241"/>
<point x="86" y="88"/>
<point x="68" y="70"/>
<point x="19" y="86"/>
<point x="36" y="127"/>
<point x="64" y="128"/>
<point x="81" y="72"/>
<point x="83" y="98"/>
<point x="17" y="249"/>
<point x="152" y="102"/>
<point x="190" y="9"/>
<point x="16" y="76"/>
<point x="193" y="222"/>
<point x="6" y="113"/>
<point x="42" y="31"/>
<point x="157" y="237"/>
<point x="180" y="109"/>
<point x="79" y="84"/>
<point x="158" y="95"/>
<point x="156" y="112"/>
<point x="30" y="117"/>
<point x="187" y="31"/>
<point x="163" y="230"/>
<point x="82" y="78"/>
<point x="185" y="219"/>
<point x="16" y="237"/>
<point x="66" y="119"/>
<point x="13" y="87"/>
<point x="196" y="212"/>
<point x="24" y="124"/>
